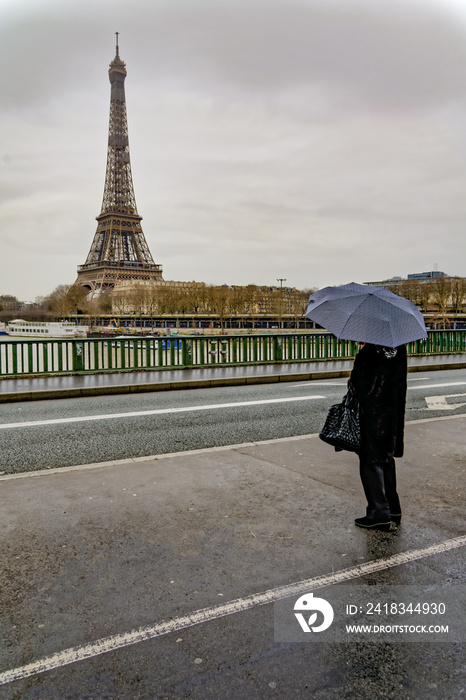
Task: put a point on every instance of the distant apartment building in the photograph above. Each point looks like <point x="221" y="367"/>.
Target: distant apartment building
<point x="418" y="276"/>
<point x="426" y="275"/>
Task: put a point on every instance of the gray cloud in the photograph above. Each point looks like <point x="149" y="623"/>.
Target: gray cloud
<point x="290" y="138"/>
<point x="385" y="54"/>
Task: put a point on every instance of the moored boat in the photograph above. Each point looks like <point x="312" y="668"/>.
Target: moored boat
<point x="45" y="329"/>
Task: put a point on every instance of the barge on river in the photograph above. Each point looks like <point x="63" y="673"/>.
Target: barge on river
<point x="45" y="329"/>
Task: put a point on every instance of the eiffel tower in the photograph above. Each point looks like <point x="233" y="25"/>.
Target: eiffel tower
<point x="119" y="250"/>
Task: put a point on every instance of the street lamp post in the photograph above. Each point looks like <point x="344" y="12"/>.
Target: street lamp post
<point x="281" y="280"/>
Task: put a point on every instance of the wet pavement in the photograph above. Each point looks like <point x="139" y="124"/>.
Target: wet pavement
<point x="36" y="388"/>
<point x="98" y="551"/>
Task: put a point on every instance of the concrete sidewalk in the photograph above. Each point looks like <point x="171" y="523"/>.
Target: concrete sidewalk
<point x="95" y="551"/>
<point x="36" y="388"/>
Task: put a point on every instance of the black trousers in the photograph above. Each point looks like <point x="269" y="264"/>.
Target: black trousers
<point x="379" y="483"/>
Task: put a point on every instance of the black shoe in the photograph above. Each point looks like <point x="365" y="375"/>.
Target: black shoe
<point x="395" y="518"/>
<point x="372" y="524"/>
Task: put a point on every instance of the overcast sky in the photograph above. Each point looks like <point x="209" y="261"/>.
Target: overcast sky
<point x="321" y="141"/>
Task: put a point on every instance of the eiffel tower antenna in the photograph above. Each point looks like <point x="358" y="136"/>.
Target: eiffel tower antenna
<point x="119" y="250"/>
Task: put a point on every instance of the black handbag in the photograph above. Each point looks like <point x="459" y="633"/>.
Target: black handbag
<point x="342" y="428"/>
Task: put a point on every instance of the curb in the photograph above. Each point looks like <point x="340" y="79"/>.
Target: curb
<point x="43" y="394"/>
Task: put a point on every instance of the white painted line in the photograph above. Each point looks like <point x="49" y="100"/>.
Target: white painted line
<point x="437" y="386"/>
<point x="120" y="641"/>
<point x="313" y="383"/>
<point x="430" y="420"/>
<point x="154" y="412"/>
<point x="414" y="379"/>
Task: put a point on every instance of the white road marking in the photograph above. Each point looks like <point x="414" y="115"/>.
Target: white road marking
<point x="439" y="403"/>
<point x="345" y="383"/>
<point x="437" y="386"/>
<point x="326" y="383"/>
<point x="119" y="641"/>
<point x="155" y="412"/>
<point x="415" y="379"/>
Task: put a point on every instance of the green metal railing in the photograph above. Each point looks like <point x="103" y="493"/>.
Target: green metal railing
<point x="28" y="357"/>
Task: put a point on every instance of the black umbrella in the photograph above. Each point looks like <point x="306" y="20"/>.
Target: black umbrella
<point x="366" y="314"/>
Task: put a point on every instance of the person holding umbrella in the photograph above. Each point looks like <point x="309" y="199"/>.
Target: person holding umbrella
<point x="382" y="323"/>
<point x="378" y="383"/>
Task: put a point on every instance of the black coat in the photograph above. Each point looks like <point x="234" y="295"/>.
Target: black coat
<point x="378" y="381"/>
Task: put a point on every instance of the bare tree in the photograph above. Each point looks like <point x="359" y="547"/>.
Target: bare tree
<point x="218" y="299"/>
<point x="57" y="301"/>
<point x="425" y="290"/>
<point x="252" y="301"/>
<point x="441" y="294"/>
<point x="238" y="301"/>
<point x="105" y="301"/>
<point x="297" y="303"/>
<point x="168" y="300"/>
<point x="196" y="298"/>
<point x="151" y="299"/>
<point x="458" y="293"/>
<point x="138" y="300"/>
<point x="120" y="302"/>
<point x="409" y="289"/>
<point x="66" y="300"/>
<point x="77" y="299"/>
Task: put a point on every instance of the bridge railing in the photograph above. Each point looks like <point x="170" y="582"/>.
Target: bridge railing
<point x="26" y="357"/>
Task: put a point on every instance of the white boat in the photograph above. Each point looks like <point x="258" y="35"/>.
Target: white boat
<point x="45" y="329"/>
<point x="3" y="330"/>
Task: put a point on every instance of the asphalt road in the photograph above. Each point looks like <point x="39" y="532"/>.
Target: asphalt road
<point x="68" y="432"/>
